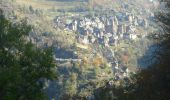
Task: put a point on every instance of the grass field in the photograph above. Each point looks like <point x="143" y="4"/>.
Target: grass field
<point x="49" y="4"/>
<point x="53" y="8"/>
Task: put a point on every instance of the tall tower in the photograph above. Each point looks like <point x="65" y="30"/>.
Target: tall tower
<point x="116" y="21"/>
<point x="74" y="25"/>
<point x="114" y="26"/>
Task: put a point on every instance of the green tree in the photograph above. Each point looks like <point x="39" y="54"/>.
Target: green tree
<point x="22" y="65"/>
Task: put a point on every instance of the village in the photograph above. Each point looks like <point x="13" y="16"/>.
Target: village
<point x="106" y="31"/>
<point x="98" y="36"/>
<point x="92" y="45"/>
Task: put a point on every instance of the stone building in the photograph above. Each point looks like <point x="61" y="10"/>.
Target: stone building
<point x="116" y="21"/>
<point x="145" y="23"/>
<point x="121" y="29"/>
<point x="130" y="18"/>
<point x="114" y="26"/>
<point x="74" y="25"/>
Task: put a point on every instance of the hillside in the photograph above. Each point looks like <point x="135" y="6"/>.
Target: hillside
<point x="94" y="41"/>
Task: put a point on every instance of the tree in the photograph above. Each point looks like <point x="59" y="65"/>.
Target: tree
<point x="22" y="65"/>
<point x="31" y="9"/>
<point x="70" y="87"/>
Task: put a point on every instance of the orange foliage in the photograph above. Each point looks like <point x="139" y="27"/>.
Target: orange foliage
<point x="98" y="61"/>
<point x="125" y="59"/>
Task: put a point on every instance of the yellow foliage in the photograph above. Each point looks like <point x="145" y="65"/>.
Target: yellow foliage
<point x="84" y="61"/>
<point x="98" y="61"/>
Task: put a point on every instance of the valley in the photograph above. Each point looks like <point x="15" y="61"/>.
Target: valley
<point x="93" y="41"/>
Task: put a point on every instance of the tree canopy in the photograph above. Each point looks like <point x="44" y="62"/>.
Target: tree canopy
<point x="22" y="64"/>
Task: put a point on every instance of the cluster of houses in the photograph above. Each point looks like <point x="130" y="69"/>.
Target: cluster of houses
<point x="104" y="30"/>
<point x="120" y="71"/>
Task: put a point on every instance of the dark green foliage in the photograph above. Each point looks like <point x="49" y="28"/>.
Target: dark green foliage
<point x="22" y="65"/>
<point x="31" y="9"/>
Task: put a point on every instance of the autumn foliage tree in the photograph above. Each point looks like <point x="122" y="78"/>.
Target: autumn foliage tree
<point x="98" y="61"/>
